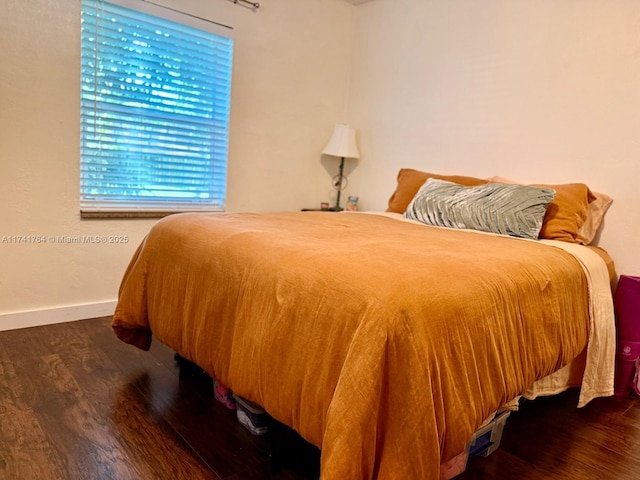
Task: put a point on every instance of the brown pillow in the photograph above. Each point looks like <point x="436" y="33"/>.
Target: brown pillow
<point x="410" y="181"/>
<point x="575" y="215"/>
<point x="567" y="213"/>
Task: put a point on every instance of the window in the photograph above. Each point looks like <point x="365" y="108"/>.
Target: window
<point x="155" y="98"/>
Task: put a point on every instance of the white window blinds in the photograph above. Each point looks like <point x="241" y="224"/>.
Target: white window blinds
<point x="155" y="99"/>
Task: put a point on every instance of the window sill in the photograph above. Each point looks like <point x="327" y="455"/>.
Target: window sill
<point x="134" y="215"/>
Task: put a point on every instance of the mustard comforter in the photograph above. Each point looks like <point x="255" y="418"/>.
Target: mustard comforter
<point x="386" y="343"/>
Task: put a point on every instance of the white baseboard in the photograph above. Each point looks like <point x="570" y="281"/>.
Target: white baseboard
<point x="47" y="316"/>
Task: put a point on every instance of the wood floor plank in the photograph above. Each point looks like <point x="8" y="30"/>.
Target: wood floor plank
<point x="551" y="438"/>
<point x="25" y="452"/>
<point x="79" y="399"/>
<point x="148" y="433"/>
<point x="96" y="443"/>
<point x="159" y="448"/>
<point x="188" y="406"/>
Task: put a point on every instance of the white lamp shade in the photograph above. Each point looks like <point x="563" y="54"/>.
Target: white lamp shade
<point x="342" y="143"/>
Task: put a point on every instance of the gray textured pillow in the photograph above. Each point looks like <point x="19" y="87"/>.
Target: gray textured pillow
<point x="515" y="210"/>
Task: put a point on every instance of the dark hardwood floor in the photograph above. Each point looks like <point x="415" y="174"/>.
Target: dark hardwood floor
<point x="76" y="403"/>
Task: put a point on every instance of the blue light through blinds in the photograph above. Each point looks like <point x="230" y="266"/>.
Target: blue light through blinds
<point x="154" y="111"/>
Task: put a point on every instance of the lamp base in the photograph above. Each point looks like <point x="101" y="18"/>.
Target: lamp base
<point x="337" y="208"/>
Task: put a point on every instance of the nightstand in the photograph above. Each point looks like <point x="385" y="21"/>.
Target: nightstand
<point x="320" y="210"/>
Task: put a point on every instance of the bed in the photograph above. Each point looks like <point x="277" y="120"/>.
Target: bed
<point x="384" y="340"/>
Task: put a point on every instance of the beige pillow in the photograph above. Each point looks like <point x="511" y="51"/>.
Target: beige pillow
<point x="597" y="208"/>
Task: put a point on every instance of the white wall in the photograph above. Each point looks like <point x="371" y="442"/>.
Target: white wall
<point x="289" y="89"/>
<point x="541" y="92"/>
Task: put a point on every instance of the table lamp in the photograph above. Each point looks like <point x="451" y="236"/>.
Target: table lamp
<point x="342" y="144"/>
